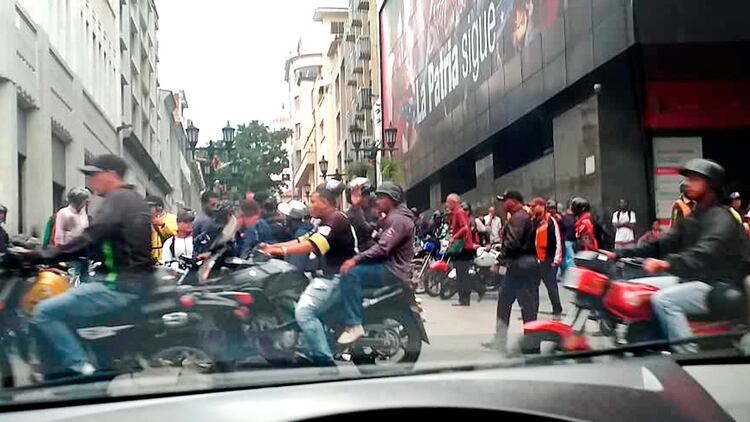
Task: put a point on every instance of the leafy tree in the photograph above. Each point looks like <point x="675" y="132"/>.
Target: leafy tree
<point x="258" y="154"/>
<point x="392" y="169"/>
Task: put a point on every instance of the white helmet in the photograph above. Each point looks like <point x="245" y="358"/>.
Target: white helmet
<point x="293" y="209"/>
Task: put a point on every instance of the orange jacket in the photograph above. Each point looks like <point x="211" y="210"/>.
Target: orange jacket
<point x="548" y="240"/>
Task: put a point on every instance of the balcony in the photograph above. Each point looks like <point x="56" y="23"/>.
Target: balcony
<point x="355" y="65"/>
<point x="363" y="5"/>
<point x="363" y="49"/>
<point x="364" y="99"/>
<point x="355" y="18"/>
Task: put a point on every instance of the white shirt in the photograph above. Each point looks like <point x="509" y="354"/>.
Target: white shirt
<point x="624" y="234"/>
<point x="69" y="223"/>
<point x="493" y="225"/>
<point x="183" y="246"/>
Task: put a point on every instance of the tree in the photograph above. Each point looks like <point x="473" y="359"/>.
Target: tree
<point x="259" y="153"/>
<point x="391" y="169"/>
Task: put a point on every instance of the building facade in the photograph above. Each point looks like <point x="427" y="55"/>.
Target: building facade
<point x="61" y="90"/>
<point x="175" y="156"/>
<point x="600" y="99"/>
<point x="335" y="107"/>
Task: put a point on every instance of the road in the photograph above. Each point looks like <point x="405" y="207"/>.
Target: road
<point x="456" y="332"/>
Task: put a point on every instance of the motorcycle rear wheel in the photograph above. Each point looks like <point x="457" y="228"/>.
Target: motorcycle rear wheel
<point x="401" y="327"/>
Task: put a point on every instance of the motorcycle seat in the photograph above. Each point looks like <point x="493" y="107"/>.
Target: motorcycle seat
<point x="373" y="292"/>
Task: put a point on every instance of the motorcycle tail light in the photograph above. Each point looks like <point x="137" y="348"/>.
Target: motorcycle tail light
<point x="241" y="312"/>
<point x="2" y="305"/>
<point x="246" y="299"/>
<point x="187" y="301"/>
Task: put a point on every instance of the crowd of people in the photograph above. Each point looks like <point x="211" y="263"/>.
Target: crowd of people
<point x="539" y="239"/>
<point x="371" y="244"/>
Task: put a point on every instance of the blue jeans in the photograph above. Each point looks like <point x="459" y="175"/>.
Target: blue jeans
<point x="568" y="255"/>
<point x="317" y="298"/>
<point x="87" y="300"/>
<point x="363" y="275"/>
<point x="673" y="302"/>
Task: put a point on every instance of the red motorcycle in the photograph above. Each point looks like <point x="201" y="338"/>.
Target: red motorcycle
<point x="611" y="294"/>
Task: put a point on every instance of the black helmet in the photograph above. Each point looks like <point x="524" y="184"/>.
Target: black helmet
<point x="711" y="170"/>
<point x="392" y="191"/>
<point x="579" y="205"/>
<point x="222" y="212"/>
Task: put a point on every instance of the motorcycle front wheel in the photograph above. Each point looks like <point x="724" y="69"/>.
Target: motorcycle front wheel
<point x="448" y="288"/>
<point x="399" y="342"/>
<point x="434" y="282"/>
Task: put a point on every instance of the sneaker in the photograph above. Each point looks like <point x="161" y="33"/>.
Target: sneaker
<point x="351" y="334"/>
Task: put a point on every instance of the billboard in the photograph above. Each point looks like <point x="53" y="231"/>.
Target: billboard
<point x="436" y="53"/>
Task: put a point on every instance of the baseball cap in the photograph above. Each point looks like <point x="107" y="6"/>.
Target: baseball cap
<point x="539" y="201"/>
<point x="734" y="195"/>
<point x="511" y="194"/>
<point x="103" y="163"/>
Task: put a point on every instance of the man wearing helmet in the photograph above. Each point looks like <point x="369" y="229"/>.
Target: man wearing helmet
<point x="70" y="221"/>
<point x="585" y="231"/>
<point x="363" y="217"/>
<point x="120" y="230"/>
<point x="386" y="262"/>
<point x="707" y="248"/>
<point x="334" y="242"/>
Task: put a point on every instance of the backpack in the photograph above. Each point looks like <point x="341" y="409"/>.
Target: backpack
<point x="604" y="234"/>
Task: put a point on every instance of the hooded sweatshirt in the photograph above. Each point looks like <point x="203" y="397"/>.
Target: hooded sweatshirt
<point x="395" y="246"/>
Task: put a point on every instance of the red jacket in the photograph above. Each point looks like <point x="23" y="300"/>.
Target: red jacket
<point x="585" y="232"/>
<point x="460" y="219"/>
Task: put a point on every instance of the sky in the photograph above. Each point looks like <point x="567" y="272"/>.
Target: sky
<point x="229" y="55"/>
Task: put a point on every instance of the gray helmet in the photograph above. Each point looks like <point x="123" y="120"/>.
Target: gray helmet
<point x="293" y="209"/>
<point x="78" y="195"/>
<point x="710" y="170"/>
<point x="363" y="183"/>
<point x="391" y="190"/>
<point x="331" y="189"/>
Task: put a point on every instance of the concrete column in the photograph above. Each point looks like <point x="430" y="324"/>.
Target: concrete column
<point x="9" y="154"/>
<point x="38" y="175"/>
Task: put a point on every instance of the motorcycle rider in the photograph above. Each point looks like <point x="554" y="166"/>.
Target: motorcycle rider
<point x="706" y="249"/>
<point x="387" y="262"/>
<point x="297" y="223"/>
<point x="333" y="241"/>
<point x="361" y="214"/>
<point x="121" y="229"/>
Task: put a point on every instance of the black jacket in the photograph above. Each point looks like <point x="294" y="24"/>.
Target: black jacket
<point x="710" y="245"/>
<point x="365" y="223"/>
<point x="121" y="230"/>
<point x="518" y="236"/>
<point x="4" y="240"/>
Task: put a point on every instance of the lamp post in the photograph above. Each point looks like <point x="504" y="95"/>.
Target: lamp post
<point x="192" y="136"/>
<point x="306" y="191"/>
<point x="323" y="163"/>
<point x="390" y="134"/>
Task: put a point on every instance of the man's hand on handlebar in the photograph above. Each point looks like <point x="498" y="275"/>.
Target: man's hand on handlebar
<point x="652" y="265"/>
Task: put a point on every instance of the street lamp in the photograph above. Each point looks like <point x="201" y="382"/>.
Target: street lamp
<point x="306" y="191"/>
<point x="192" y="135"/>
<point x="390" y="138"/>
<point x="323" y="163"/>
<point x="356" y="133"/>
<point x="228" y="132"/>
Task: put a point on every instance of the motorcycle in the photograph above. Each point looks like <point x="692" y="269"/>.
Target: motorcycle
<point x="484" y="270"/>
<point x="426" y="255"/>
<point x="614" y="295"/>
<point x="169" y="327"/>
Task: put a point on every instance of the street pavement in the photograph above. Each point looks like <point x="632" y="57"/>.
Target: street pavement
<point x="456" y="332"/>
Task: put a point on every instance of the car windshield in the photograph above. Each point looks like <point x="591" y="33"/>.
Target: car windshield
<point x="232" y="194"/>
